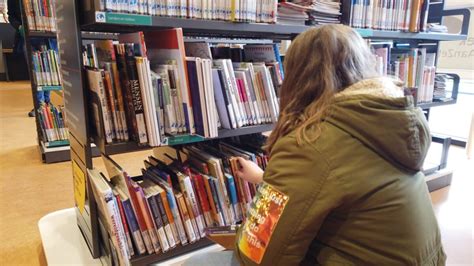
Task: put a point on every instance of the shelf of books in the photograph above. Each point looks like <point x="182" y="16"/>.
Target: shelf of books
<point x="207" y="96"/>
<point x="105" y="21"/>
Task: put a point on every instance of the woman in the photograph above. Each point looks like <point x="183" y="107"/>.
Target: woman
<point x="345" y="164"/>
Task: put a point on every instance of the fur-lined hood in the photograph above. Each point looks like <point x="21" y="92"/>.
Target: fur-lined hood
<point x="375" y="112"/>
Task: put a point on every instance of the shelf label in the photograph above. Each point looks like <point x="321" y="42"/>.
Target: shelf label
<point x="182" y="139"/>
<point x="365" y="32"/>
<point x="79" y="186"/>
<point x="119" y="18"/>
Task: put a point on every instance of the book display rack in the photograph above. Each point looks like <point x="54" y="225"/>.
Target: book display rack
<point x="75" y="17"/>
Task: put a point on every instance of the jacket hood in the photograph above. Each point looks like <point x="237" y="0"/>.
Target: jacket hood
<point x="376" y="113"/>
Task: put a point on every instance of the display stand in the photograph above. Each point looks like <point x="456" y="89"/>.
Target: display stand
<point x="75" y="16"/>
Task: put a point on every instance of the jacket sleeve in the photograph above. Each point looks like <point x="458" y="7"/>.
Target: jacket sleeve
<point x="301" y="173"/>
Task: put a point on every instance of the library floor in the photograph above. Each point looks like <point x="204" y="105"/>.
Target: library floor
<point x="30" y="189"/>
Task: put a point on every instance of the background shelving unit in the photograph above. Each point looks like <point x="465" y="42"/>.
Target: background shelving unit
<point x="75" y="17"/>
<point x="54" y="151"/>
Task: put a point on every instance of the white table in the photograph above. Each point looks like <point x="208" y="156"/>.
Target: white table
<point x="64" y="244"/>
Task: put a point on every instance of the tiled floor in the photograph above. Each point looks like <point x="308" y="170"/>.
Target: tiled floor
<point x="30" y="189"/>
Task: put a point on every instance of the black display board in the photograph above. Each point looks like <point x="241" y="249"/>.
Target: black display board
<point x="75" y="101"/>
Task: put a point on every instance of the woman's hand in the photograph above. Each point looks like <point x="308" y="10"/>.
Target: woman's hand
<point x="249" y="171"/>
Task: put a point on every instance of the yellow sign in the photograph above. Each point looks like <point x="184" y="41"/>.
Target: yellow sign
<point x="79" y="186"/>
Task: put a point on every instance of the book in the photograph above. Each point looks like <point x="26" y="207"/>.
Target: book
<point x="134" y="87"/>
<point x="107" y="205"/>
<point x="97" y="88"/>
<point x="223" y="235"/>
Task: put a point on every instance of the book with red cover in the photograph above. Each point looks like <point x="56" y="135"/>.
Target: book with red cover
<point x="198" y="182"/>
<point x="139" y="214"/>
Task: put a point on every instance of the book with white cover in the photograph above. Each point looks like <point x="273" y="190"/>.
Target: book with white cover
<point x="108" y="206"/>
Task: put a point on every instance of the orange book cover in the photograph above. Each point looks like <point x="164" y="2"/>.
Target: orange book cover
<point x="211" y="200"/>
<point x="147" y="217"/>
<point x="415" y="15"/>
<point x="139" y="214"/>
<point x="166" y="205"/>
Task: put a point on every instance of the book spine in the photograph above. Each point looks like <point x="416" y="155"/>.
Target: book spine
<point x="136" y="93"/>
<point x="135" y="230"/>
<point x="415" y="16"/>
<point x="125" y="226"/>
<point x="186" y="219"/>
<point x="139" y="215"/>
<point x="233" y="197"/>
<point x="159" y="225"/>
<point x="126" y="93"/>
<point x="171" y="217"/>
<point x="166" y="233"/>
<point x="250" y="98"/>
<point x="112" y="113"/>
<point x="118" y="231"/>
<point x="177" y="227"/>
<point x="223" y="219"/>
<point x="229" y="92"/>
<point x="210" y="198"/>
<point x="142" y="202"/>
<point x="191" y="211"/>
<point x="195" y="206"/>
<point x="201" y="191"/>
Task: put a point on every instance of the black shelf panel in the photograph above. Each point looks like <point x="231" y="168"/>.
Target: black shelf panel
<point x="85" y="35"/>
<point x="178" y="251"/>
<point x="227" y="133"/>
<point x="122" y="22"/>
<point x="122" y="147"/>
<point x="42" y="34"/>
<point x="436" y="103"/>
<point x="98" y="36"/>
<point x="117" y="148"/>
<point x="400" y="35"/>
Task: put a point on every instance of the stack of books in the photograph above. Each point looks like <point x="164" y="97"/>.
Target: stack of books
<point x="232" y="10"/>
<point x="45" y="62"/>
<point x="174" y="201"/>
<point x="40" y="15"/>
<point x="151" y="85"/>
<point x="402" y="15"/>
<point x="440" y="87"/>
<point x="52" y="122"/>
<point x="291" y="15"/>
<point x="319" y="12"/>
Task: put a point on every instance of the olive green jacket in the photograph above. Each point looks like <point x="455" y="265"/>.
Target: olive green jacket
<point x="355" y="196"/>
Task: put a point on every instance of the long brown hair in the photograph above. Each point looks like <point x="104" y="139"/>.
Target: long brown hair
<point x="319" y="63"/>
